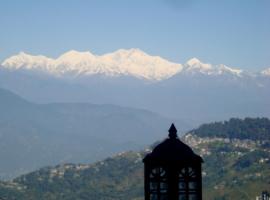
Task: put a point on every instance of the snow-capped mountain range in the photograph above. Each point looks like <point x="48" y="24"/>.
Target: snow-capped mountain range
<point x="194" y="90"/>
<point x="132" y="62"/>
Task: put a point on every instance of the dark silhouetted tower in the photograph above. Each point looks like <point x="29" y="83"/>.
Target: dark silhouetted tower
<point x="172" y="171"/>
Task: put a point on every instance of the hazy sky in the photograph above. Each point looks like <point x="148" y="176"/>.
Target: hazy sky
<point x="232" y="32"/>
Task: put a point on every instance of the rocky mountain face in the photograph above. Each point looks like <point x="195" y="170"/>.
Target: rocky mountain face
<point x="236" y="167"/>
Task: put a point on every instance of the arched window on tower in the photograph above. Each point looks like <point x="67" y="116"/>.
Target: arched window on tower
<point x="158" y="184"/>
<point x="188" y="184"/>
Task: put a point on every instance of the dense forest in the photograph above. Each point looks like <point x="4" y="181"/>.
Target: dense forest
<point x="248" y="128"/>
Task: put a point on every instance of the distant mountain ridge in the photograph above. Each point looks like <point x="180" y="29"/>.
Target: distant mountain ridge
<point x="131" y="62"/>
<point x="35" y="135"/>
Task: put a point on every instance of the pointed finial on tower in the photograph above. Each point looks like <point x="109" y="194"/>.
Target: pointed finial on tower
<point x="172" y="132"/>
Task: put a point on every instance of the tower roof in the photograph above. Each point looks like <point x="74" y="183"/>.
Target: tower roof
<point x="172" y="132"/>
<point x="172" y="149"/>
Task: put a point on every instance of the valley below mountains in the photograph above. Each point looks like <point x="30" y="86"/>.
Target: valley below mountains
<point x="36" y="135"/>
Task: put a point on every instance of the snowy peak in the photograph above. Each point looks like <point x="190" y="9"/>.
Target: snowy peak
<point x="131" y="62"/>
<point x="266" y="72"/>
<point x="75" y="55"/>
<point x="74" y="60"/>
<point x="195" y="66"/>
<point x="129" y="53"/>
<point x="225" y="69"/>
<point x="24" y="59"/>
<point x="193" y="61"/>
<point x="140" y="64"/>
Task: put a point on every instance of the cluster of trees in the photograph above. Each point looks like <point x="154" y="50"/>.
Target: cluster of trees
<point x="248" y="128"/>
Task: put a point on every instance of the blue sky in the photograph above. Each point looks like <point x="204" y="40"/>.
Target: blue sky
<point x="232" y="32"/>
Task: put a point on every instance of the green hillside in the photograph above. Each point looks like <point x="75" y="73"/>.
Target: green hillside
<point x="233" y="169"/>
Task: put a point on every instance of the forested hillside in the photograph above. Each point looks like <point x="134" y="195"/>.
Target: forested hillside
<point x="248" y="128"/>
<point x="234" y="168"/>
